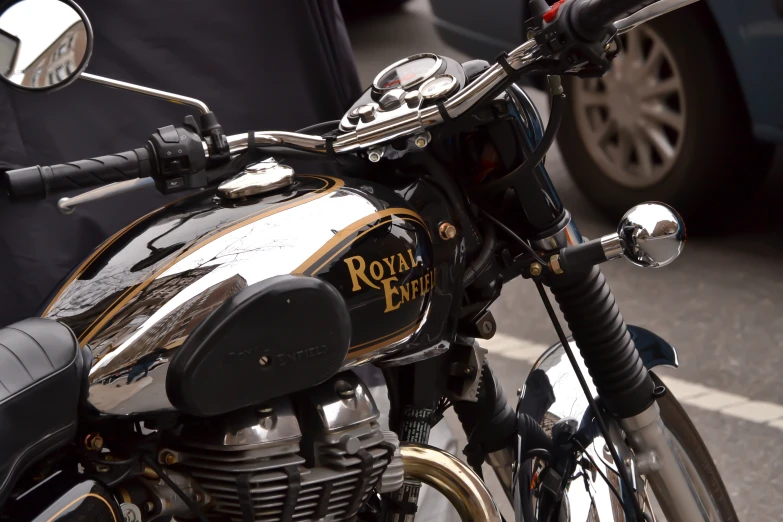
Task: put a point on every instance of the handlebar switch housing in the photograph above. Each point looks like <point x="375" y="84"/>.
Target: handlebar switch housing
<point x="557" y="39"/>
<point x="180" y="159"/>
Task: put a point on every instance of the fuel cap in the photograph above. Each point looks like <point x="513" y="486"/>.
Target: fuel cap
<point x="257" y="178"/>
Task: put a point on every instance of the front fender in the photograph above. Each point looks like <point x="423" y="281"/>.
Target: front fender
<point x="552" y="392"/>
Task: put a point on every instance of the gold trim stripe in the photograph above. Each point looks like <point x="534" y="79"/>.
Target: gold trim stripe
<point x="90" y="332"/>
<point x="111" y="509"/>
<point x="384" y="338"/>
<point x="353" y="228"/>
<point x="409" y="331"/>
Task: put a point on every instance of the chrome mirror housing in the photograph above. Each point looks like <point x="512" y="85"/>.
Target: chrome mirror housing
<point x="652" y="235"/>
<point x="44" y="44"/>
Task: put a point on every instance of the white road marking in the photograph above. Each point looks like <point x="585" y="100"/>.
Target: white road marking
<point x="687" y="392"/>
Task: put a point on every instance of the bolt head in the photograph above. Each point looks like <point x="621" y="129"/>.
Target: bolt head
<point x="447" y="231"/>
<point x="535" y="269"/>
<point x="486" y="327"/>
<point x="265" y="360"/>
<point x="375" y="155"/>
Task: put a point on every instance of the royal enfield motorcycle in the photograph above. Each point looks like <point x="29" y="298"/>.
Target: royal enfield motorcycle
<point x="201" y="363"/>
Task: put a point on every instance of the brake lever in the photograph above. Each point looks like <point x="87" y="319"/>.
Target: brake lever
<point x="661" y="7"/>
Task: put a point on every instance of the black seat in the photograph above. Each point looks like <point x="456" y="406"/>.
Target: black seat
<point x="41" y="371"/>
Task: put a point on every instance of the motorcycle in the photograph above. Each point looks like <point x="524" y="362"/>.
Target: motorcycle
<point x="202" y="363"/>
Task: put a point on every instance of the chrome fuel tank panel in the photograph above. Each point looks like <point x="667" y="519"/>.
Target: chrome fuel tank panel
<point x="137" y="298"/>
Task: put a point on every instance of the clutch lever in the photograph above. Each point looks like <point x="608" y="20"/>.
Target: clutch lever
<point x="66" y="205"/>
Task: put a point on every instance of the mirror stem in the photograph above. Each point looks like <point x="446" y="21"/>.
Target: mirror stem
<point x="168" y="96"/>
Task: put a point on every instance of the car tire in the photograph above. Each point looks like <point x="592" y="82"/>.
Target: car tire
<point x="354" y="8"/>
<point x="712" y="161"/>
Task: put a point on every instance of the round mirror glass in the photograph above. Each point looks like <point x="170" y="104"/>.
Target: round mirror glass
<point x="44" y="44"/>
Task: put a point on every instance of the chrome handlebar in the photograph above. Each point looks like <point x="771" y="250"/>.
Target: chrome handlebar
<point x="407" y="121"/>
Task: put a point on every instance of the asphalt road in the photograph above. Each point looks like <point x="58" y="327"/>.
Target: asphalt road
<point x="720" y="304"/>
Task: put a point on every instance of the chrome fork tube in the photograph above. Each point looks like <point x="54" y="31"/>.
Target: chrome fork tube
<point x="652" y="443"/>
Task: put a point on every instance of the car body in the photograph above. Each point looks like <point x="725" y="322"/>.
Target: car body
<point x="689" y="113"/>
<point x="751" y="29"/>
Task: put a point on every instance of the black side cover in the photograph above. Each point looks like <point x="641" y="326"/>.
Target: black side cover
<point x="276" y="337"/>
<point x="41" y="373"/>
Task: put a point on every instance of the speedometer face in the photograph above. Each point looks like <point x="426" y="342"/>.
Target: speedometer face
<point x="408" y="72"/>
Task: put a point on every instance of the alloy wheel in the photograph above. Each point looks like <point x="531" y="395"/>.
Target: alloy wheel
<point x="632" y="121"/>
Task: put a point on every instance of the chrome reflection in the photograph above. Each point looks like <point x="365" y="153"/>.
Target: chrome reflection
<point x="551" y="393"/>
<point x="133" y="349"/>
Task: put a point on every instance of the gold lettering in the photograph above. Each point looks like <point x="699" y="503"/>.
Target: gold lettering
<point x="373" y="266"/>
<point x="357" y="272"/>
<point x="403" y="263"/>
<point x="415" y="288"/>
<point x="390" y="263"/>
<point x="405" y="294"/>
<point x="421" y="286"/>
<point x="390" y="292"/>
<point x="426" y="283"/>
<point x="413" y="260"/>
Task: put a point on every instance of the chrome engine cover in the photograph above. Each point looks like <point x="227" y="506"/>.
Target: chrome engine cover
<point x="315" y="456"/>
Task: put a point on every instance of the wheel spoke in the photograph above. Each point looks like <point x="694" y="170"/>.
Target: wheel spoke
<point x="592" y="99"/>
<point x="622" y="152"/>
<point x="603" y="131"/>
<point x="660" y="89"/>
<point x="661" y="113"/>
<point x="643" y="153"/>
<point x="650" y="66"/>
<point x="657" y="137"/>
<point x="633" y="50"/>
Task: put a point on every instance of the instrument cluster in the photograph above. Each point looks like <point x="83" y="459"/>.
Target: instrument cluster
<point x="406" y="85"/>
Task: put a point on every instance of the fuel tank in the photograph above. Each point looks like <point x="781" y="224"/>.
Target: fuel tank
<point x="137" y="298"/>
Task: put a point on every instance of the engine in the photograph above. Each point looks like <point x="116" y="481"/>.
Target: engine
<point x="317" y="455"/>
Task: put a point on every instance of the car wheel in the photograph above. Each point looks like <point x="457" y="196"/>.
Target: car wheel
<point x="667" y="123"/>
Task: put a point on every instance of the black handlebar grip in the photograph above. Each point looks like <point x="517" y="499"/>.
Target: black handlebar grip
<point x="589" y="18"/>
<point x="38" y="182"/>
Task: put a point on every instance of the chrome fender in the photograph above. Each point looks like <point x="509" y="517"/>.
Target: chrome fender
<point x="552" y="392"/>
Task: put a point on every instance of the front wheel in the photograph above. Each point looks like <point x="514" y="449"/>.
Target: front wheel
<point x="696" y="458"/>
<point x="667" y="123"/>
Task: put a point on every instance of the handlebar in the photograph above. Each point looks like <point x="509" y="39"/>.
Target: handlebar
<point x="589" y="18"/>
<point x="175" y="157"/>
<point x="38" y="182"/>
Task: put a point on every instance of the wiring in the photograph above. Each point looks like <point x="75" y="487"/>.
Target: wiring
<point x="514" y="236"/>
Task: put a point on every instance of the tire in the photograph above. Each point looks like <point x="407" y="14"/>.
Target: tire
<point x="715" y="158"/>
<point x="354" y="8"/>
<point x="692" y="449"/>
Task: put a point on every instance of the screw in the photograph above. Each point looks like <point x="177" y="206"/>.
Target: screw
<point x="468" y="370"/>
<point x="447" y="231"/>
<point x="486" y="327"/>
<point x="265" y="361"/>
<point x="535" y="269"/>
<point x="422" y="140"/>
<point x="375" y="155"/>
<point x="93" y="441"/>
<point x="531" y="33"/>
<point x="344" y="389"/>
<point x="265" y="410"/>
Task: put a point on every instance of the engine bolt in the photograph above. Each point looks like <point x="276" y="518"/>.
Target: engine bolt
<point x="168" y="458"/>
<point x="265" y="361"/>
<point x="375" y="155"/>
<point x="535" y="269"/>
<point x="422" y="140"/>
<point x="93" y="442"/>
<point x="447" y="231"/>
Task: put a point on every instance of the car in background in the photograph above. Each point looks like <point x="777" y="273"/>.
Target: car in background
<point x="689" y="114"/>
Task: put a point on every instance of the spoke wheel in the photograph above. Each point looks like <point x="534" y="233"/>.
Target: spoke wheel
<point x="633" y="119"/>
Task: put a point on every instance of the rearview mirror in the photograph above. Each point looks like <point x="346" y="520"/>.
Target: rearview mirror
<point x="44" y="44"/>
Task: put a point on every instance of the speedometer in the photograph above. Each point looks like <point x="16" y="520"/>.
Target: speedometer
<point x="408" y="72"/>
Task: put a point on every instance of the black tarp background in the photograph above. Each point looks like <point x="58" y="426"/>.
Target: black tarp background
<point x="271" y="64"/>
